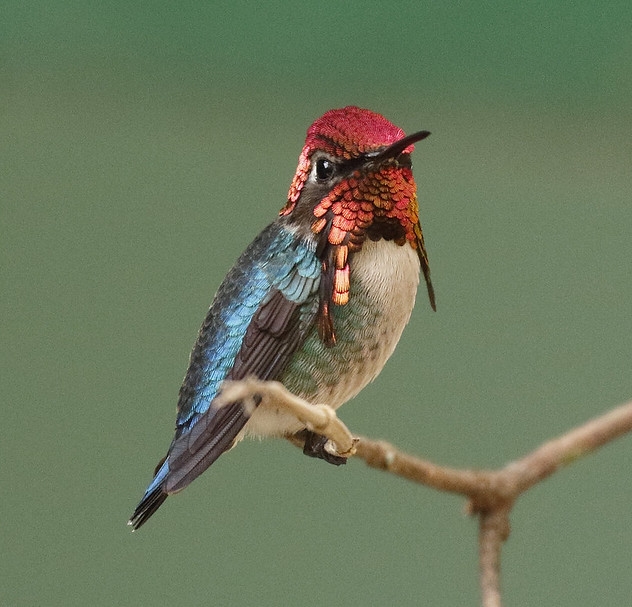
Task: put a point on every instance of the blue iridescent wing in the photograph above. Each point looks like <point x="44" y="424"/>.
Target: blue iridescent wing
<point x="260" y="315"/>
<point x="257" y="303"/>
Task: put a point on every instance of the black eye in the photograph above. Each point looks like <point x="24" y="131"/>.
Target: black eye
<point x="325" y="169"/>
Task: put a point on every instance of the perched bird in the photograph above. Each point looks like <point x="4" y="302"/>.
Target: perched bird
<point x="318" y="301"/>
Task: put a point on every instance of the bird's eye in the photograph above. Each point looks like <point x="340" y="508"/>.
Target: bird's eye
<point x="325" y="169"/>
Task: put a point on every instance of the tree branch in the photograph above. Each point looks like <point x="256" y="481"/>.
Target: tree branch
<point x="491" y="493"/>
<point x="492" y="532"/>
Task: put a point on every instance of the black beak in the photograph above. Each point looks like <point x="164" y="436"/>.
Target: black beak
<point x="395" y="149"/>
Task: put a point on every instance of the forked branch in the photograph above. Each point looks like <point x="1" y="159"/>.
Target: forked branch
<point x="491" y="493"/>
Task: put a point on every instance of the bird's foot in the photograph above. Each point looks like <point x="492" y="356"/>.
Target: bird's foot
<point x="316" y="446"/>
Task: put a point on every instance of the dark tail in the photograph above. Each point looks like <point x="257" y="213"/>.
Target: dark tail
<point x="190" y="454"/>
<point x="152" y="500"/>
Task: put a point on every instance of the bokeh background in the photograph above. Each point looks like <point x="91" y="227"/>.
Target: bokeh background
<point x="143" y="145"/>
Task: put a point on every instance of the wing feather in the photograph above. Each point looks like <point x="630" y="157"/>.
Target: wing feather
<point x="260" y="315"/>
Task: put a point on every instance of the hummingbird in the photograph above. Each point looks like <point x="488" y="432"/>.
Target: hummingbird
<point x="318" y="301"/>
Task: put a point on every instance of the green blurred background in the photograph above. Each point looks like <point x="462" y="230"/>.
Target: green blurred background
<point x="143" y="145"/>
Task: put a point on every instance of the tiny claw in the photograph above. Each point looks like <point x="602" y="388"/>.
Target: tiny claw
<point x="316" y="446"/>
<point x="330" y="447"/>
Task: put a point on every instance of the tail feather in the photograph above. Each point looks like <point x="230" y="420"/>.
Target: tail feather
<point x="152" y="500"/>
<point x="193" y="452"/>
<point x="190" y="454"/>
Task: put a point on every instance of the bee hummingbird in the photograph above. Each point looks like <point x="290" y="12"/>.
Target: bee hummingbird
<point x="318" y="301"/>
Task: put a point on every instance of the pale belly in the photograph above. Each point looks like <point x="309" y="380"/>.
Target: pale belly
<point x="384" y="280"/>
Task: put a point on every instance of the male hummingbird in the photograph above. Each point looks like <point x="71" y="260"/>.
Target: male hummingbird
<point x="318" y="301"/>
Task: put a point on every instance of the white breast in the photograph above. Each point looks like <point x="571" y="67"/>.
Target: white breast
<point x="389" y="275"/>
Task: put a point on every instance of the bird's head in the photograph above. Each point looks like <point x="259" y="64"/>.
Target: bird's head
<point x="354" y="181"/>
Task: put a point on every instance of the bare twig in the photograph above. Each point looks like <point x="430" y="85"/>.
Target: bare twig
<point x="489" y="487"/>
<point x="491" y="493"/>
<point x="493" y="531"/>
<point x="568" y="447"/>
